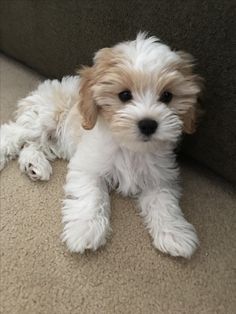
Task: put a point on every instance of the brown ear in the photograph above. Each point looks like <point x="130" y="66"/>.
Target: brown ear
<point x="195" y="82"/>
<point x="87" y="106"/>
<point x="187" y="62"/>
<point x="189" y="121"/>
<point x="192" y="117"/>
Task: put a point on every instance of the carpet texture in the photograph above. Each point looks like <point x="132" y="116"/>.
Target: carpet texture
<point x="39" y="275"/>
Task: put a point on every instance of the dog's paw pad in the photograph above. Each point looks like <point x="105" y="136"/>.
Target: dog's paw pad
<point x="38" y="172"/>
<point x="33" y="172"/>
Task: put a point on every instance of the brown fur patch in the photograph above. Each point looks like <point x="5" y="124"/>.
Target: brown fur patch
<point x="87" y="106"/>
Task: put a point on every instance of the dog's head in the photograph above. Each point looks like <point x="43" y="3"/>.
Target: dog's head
<point x="145" y="92"/>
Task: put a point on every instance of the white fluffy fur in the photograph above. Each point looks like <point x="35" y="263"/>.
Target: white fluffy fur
<point x="48" y="126"/>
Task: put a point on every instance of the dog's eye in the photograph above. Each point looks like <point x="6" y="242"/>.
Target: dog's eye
<point x="166" y="97"/>
<point x="126" y="95"/>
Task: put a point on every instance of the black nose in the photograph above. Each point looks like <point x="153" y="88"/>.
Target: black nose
<point x="147" y="126"/>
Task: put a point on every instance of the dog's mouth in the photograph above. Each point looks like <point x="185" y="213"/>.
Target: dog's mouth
<point x="146" y="139"/>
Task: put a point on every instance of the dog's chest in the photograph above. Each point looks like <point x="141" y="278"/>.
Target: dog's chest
<point x="133" y="172"/>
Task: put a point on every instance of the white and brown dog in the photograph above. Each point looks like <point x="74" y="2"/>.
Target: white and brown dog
<point x="117" y="123"/>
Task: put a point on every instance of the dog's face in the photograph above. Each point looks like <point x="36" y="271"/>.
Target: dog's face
<point x="145" y="92"/>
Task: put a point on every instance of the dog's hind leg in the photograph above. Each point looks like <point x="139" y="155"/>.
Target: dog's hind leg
<point x="27" y="128"/>
<point x="12" y="138"/>
<point x="34" y="163"/>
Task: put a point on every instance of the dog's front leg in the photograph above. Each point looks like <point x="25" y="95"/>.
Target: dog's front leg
<point x="86" y="211"/>
<point x="164" y="219"/>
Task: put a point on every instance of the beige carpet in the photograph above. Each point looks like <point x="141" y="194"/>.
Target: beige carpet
<point x="38" y="275"/>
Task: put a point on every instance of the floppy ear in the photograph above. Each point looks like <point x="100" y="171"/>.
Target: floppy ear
<point x="87" y="106"/>
<point x="193" y="113"/>
<point x="190" y="120"/>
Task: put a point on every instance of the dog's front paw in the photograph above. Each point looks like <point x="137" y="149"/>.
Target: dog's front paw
<point x="80" y="235"/>
<point x="177" y="239"/>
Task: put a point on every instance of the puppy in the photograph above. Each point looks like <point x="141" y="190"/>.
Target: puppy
<point x="117" y="123"/>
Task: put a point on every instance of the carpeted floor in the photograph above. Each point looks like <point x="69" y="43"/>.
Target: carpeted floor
<point x="39" y="275"/>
